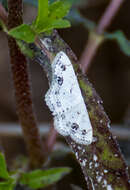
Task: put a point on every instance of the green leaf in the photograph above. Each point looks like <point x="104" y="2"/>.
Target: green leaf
<point x="23" y="32"/>
<point x="3" y="168"/>
<point x="59" y="23"/>
<point x="119" y="36"/>
<point x="43" y="22"/>
<point x="8" y="182"/>
<point x="7" y="185"/>
<point x="42" y="12"/>
<point x="59" y="9"/>
<point x="25" y="49"/>
<point x="49" y="16"/>
<point x="42" y="178"/>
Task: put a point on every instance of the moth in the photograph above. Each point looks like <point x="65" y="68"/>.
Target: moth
<point x="66" y="103"/>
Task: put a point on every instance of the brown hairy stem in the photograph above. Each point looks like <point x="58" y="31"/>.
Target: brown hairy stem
<point x="93" y="43"/>
<point x="21" y="83"/>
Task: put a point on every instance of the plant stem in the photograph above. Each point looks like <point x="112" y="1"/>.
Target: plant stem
<point x="91" y="48"/>
<point x="127" y="116"/>
<point x="51" y="139"/>
<point x="94" y="43"/>
<point x="3" y="14"/>
<point x="108" y="15"/>
<point x="21" y="83"/>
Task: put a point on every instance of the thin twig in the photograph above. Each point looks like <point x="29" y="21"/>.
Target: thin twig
<point x="108" y="15"/>
<point x="91" y="48"/>
<point x="39" y="44"/>
<point x="96" y="39"/>
<point x="51" y="139"/>
<point x="3" y="14"/>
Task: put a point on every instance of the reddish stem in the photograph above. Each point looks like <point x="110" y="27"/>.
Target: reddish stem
<point x="3" y="14"/>
<point x="90" y="50"/>
<point x="95" y="42"/>
<point x="109" y="14"/>
<point x="51" y="139"/>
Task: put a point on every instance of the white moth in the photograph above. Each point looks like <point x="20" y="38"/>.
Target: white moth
<point x="66" y="103"/>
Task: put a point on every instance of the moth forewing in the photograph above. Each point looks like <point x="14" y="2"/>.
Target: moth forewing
<point x="66" y="103"/>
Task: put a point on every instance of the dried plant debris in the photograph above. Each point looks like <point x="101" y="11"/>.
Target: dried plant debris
<point x="101" y="161"/>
